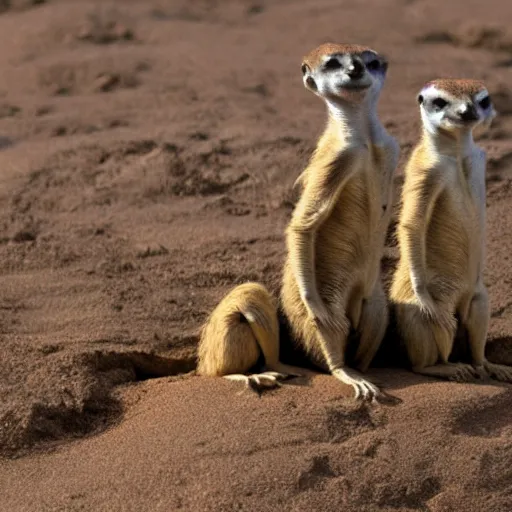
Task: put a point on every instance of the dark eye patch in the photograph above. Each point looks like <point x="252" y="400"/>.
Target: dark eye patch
<point x="485" y="103"/>
<point x="332" y="64"/>
<point x="439" y="102"/>
<point x="373" y="65"/>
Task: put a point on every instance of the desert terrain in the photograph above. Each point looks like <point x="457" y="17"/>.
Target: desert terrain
<point x="147" y="155"/>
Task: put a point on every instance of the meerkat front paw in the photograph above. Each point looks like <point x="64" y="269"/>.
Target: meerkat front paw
<point x="364" y="389"/>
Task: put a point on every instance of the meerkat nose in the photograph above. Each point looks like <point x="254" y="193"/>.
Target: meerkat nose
<point x="468" y="113"/>
<point x="356" y="68"/>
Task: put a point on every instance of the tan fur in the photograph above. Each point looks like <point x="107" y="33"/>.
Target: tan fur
<point x="441" y="235"/>
<point x="458" y="87"/>
<point x="337" y="231"/>
<point x="344" y="215"/>
<point x="240" y="328"/>
<point x="335" y="241"/>
<point x="314" y="58"/>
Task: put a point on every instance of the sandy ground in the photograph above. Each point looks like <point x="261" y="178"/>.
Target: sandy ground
<point x="147" y="153"/>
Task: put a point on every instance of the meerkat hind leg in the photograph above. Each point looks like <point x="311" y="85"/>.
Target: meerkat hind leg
<point x="285" y="370"/>
<point x="270" y="377"/>
<point x="499" y="372"/>
<point x="457" y="372"/>
<point x="477" y="325"/>
<point x="260" y="381"/>
<point x="427" y="342"/>
<point x="372" y="327"/>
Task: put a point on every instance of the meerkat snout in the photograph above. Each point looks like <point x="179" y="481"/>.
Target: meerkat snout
<point x="355" y="69"/>
<point x="468" y="113"/>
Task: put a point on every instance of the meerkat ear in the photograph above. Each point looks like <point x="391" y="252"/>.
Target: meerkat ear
<point x="384" y="63"/>
<point x="490" y="118"/>
<point x="420" y="98"/>
<point x="310" y="82"/>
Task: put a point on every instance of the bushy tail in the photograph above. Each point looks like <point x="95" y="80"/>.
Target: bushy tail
<point x="240" y="328"/>
<point x="264" y="325"/>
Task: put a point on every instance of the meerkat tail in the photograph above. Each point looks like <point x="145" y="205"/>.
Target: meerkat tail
<point x="243" y="326"/>
<point x="266" y="331"/>
<point x="263" y="322"/>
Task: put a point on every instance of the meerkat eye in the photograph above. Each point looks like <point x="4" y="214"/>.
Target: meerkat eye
<point x="485" y="103"/>
<point x="439" y="103"/>
<point x="373" y="65"/>
<point x="332" y="64"/>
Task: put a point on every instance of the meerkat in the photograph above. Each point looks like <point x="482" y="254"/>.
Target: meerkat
<point x="441" y="235"/>
<point x="335" y="239"/>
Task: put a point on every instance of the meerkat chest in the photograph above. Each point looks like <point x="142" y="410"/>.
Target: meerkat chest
<point x="467" y="186"/>
<point x="474" y="172"/>
<point x="359" y="206"/>
<point x="384" y="159"/>
<point x="459" y="218"/>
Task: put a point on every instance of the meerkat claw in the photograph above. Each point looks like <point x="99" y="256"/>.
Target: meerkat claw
<point x="481" y="372"/>
<point x="499" y="372"/>
<point x="370" y="392"/>
<point x="275" y="375"/>
<point x="260" y="381"/>
<point x="364" y="389"/>
<point x="463" y="373"/>
<point x="365" y="392"/>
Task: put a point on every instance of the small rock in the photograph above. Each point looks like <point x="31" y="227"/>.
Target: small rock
<point x="24" y="236"/>
<point x="106" y="82"/>
<point x="149" y="250"/>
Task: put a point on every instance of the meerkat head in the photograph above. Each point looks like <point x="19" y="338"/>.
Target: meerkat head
<point x="455" y="104"/>
<point x="341" y="73"/>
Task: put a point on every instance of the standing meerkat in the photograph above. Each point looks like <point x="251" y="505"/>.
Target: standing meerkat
<point x="441" y="235"/>
<point x="335" y="239"/>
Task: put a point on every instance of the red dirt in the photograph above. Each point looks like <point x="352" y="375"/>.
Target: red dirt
<point x="147" y="153"/>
